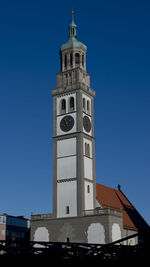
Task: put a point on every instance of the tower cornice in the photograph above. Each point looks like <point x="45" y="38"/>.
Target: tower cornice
<point x="73" y="88"/>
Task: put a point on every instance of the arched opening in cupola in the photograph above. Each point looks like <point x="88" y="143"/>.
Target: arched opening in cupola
<point x="77" y="58"/>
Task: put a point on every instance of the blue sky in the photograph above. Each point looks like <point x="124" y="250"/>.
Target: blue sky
<point x="117" y="34"/>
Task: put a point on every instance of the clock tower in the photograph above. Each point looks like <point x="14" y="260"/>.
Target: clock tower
<point x="74" y="181"/>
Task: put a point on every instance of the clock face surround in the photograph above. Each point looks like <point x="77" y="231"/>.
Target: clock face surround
<point x="67" y="123"/>
<point x="87" y="124"/>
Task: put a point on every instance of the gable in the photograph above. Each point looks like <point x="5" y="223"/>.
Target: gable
<point x="115" y="199"/>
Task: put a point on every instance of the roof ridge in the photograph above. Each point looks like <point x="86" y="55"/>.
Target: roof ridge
<point x="106" y="186"/>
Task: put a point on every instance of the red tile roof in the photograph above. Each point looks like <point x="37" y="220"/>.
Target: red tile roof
<point x="115" y="199"/>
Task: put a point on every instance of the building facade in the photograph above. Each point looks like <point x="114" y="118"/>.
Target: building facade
<point x="81" y="212"/>
<point x="13" y="227"/>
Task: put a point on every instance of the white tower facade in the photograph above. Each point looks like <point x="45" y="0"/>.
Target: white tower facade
<point x="74" y="181"/>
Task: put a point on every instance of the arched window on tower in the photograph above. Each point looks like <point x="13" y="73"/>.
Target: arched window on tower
<point x="83" y="61"/>
<point x="88" y="106"/>
<point x="71" y="60"/>
<point x="63" y="106"/>
<point x="88" y="189"/>
<point x="67" y="210"/>
<point x="77" y="58"/>
<point x="65" y="63"/>
<point x="61" y="65"/>
<point x="71" y="104"/>
<point x="87" y="150"/>
<point x="83" y="104"/>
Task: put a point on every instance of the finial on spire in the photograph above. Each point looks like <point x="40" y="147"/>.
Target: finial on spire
<point x="72" y="15"/>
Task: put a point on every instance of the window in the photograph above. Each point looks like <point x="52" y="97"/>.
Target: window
<point x="87" y="150"/>
<point x="61" y="63"/>
<point x="82" y="60"/>
<point x="84" y="104"/>
<point x="2" y="219"/>
<point x="65" y="61"/>
<point x="7" y="232"/>
<point x="71" y="103"/>
<point x="63" y="106"/>
<point x="88" y="106"/>
<point x="77" y="58"/>
<point x="71" y="59"/>
<point x="67" y="210"/>
<point x="88" y="189"/>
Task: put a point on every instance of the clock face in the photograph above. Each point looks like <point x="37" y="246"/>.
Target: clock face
<point x="86" y="124"/>
<point x="67" y="123"/>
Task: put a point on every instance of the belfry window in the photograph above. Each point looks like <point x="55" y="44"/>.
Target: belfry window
<point x="84" y="104"/>
<point x="83" y="61"/>
<point x="88" y="106"/>
<point x="63" y="106"/>
<point x="71" y="61"/>
<point x="77" y="58"/>
<point x="65" y="61"/>
<point x="71" y="103"/>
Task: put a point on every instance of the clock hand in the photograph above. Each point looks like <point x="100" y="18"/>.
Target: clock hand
<point x="65" y="122"/>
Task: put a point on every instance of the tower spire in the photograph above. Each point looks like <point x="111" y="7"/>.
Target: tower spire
<point x="72" y="15"/>
<point x="72" y="28"/>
